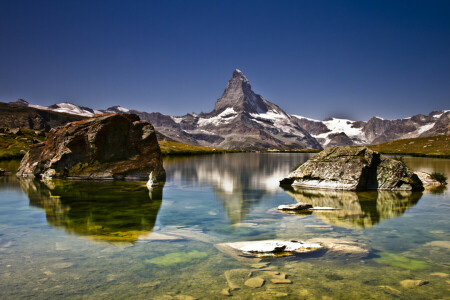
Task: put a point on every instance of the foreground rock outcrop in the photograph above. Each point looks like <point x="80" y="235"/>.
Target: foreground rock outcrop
<point x="111" y="146"/>
<point x="353" y="168"/>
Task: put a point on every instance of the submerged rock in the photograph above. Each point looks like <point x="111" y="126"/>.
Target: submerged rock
<point x="409" y="283"/>
<point x="353" y="168"/>
<point x="110" y="146"/>
<point x="255" y="282"/>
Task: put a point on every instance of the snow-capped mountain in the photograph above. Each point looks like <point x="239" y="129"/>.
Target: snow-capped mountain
<point x="339" y="132"/>
<point x="64" y="107"/>
<point x="241" y="119"/>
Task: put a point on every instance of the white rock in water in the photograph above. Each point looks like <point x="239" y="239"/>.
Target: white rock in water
<point x="270" y="246"/>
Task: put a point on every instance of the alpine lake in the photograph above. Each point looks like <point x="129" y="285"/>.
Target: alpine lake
<point x="118" y="240"/>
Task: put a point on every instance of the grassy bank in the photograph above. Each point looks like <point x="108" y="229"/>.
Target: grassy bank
<point x="307" y="150"/>
<point x="176" y="148"/>
<point x="14" y="145"/>
<point x="436" y="146"/>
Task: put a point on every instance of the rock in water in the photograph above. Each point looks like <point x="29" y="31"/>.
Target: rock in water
<point x="110" y="146"/>
<point x="353" y="168"/>
<point x="295" y="207"/>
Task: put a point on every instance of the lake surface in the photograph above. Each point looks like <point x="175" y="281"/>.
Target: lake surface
<point x="117" y="240"/>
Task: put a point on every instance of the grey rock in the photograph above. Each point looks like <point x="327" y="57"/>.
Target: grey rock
<point x="354" y="168"/>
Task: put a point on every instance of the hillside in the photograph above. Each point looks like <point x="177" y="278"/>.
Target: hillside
<point x="436" y="146"/>
<point x="14" y="143"/>
<point x="177" y="148"/>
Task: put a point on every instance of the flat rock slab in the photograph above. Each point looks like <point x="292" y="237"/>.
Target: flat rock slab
<point x="255" y="282"/>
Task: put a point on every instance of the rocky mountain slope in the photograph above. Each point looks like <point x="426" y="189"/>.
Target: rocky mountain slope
<point x="19" y="115"/>
<point x="341" y="132"/>
<point x="242" y="119"/>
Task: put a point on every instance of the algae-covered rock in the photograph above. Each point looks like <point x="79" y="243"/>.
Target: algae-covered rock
<point x="109" y="146"/>
<point x="353" y="168"/>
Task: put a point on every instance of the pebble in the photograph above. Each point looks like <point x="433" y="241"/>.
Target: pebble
<point x="280" y="281"/>
<point x="440" y="274"/>
<point x="226" y="292"/>
<point x="62" y="265"/>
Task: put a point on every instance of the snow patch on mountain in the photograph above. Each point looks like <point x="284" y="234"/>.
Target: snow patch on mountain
<point x="224" y="117"/>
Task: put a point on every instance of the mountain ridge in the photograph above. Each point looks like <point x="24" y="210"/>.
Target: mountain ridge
<point x="242" y="119"/>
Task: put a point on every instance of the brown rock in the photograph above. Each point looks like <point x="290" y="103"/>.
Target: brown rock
<point x="109" y="146"/>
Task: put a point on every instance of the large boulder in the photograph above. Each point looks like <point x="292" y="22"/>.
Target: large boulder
<point x="353" y="168"/>
<point x="110" y="146"/>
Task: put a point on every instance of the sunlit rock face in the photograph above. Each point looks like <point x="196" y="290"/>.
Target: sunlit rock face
<point x="102" y="211"/>
<point x="356" y="209"/>
<point x="354" y="168"/>
<point x="110" y="146"/>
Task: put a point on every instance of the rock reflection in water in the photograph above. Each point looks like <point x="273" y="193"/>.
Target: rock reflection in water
<point x="239" y="180"/>
<point x="104" y="211"/>
<point x="357" y="209"/>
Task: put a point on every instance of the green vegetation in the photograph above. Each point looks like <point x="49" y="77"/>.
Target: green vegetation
<point x="400" y="261"/>
<point x="15" y="143"/>
<point x="176" y="258"/>
<point x="439" y="177"/>
<point x="307" y="150"/>
<point x="177" y="148"/>
<point x="436" y="146"/>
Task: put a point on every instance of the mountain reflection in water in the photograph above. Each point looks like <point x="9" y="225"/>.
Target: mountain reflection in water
<point x="101" y="210"/>
<point x="239" y="180"/>
<point x="357" y="209"/>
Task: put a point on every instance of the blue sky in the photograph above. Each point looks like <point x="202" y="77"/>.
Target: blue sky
<point x="318" y="59"/>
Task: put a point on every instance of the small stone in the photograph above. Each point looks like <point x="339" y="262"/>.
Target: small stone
<point x="280" y="281"/>
<point x="442" y="244"/>
<point x="149" y="284"/>
<point x="304" y="293"/>
<point x="62" y="265"/>
<point x="226" y="292"/>
<point x="255" y="282"/>
<point x="409" y="283"/>
<point x="389" y="289"/>
<point x="259" y="265"/>
<point x="440" y="274"/>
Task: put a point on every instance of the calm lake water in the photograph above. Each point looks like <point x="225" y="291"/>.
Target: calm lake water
<point x="117" y="240"/>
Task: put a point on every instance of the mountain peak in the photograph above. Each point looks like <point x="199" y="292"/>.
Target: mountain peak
<point x="239" y="95"/>
<point x="21" y="102"/>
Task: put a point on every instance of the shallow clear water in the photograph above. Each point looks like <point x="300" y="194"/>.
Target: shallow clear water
<point x="90" y="239"/>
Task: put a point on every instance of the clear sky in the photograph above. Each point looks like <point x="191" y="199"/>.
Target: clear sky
<point x="318" y="59"/>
